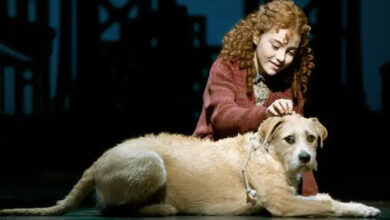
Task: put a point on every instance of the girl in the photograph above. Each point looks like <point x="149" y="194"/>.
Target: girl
<point x="262" y="71"/>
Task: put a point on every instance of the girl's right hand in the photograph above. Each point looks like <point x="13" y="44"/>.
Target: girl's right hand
<point x="280" y="107"/>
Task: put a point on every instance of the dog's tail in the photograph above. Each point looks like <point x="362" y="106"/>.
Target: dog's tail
<point x="76" y="195"/>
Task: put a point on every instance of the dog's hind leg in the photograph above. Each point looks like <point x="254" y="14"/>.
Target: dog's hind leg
<point x="130" y="177"/>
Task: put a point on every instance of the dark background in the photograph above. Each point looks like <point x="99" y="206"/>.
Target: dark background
<point x="78" y="77"/>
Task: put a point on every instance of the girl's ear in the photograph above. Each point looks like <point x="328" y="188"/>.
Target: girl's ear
<point x="256" y="39"/>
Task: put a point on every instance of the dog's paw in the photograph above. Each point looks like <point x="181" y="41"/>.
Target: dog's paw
<point x="356" y="210"/>
<point x="368" y="211"/>
<point x="168" y="211"/>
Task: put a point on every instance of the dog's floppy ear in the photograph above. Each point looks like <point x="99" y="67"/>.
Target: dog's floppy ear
<point x="267" y="129"/>
<point x="321" y="131"/>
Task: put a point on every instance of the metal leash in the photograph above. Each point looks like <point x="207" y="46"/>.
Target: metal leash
<point x="253" y="146"/>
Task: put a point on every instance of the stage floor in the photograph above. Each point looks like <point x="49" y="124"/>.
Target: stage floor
<point x="90" y="213"/>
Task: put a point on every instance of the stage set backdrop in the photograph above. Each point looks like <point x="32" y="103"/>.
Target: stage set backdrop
<point x="78" y="77"/>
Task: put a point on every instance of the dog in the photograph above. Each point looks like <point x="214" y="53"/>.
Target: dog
<point x="169" y="174"/>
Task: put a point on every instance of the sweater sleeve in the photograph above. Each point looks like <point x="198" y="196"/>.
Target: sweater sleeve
<point x="223" y="113"/>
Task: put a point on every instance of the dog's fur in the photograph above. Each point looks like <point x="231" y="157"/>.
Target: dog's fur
<point x="169" y="174"/>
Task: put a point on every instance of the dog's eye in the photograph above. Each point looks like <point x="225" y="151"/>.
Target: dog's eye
<point x="310" y="138"/>
<point x="290" y="139"/>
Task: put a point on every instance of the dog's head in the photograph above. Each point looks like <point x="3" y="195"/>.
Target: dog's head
<point x="294" y="140"/>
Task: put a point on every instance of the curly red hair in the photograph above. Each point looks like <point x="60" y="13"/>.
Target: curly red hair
<point x="275" y="15"/>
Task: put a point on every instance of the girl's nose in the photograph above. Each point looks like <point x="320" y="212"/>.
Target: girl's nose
<point x="281" y="56"/>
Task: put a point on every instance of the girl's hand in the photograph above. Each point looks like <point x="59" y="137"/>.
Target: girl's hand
<point x="280" y="107"/>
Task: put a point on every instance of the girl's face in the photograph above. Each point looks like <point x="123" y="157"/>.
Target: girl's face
<point x="275" y="51"/>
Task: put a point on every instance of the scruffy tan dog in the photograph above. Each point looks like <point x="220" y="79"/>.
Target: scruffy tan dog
<point x="170" y="174"/>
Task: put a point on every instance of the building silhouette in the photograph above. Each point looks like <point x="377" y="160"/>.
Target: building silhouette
<point x="152" y="75"/>
<point x="24" y="58"/>
<point x="158" y="63"/>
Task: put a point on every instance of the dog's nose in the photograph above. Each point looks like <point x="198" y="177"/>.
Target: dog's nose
<point x="304" y="157"/>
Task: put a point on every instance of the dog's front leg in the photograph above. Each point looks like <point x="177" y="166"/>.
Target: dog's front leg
<point x="284" y="204"/>
<point x="349" y="208"/>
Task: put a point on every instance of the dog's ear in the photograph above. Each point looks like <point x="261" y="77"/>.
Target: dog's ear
<point x="321" y="131"/>
<point x="267" y="129"/>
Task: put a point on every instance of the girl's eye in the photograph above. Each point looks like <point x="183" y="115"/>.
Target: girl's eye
<point x="292" y="53"/>
<point x="275" y="47"/>
<point x="290" y="139"/>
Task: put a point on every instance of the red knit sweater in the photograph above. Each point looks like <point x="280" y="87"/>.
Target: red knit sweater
<point x="228" y="108"/>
